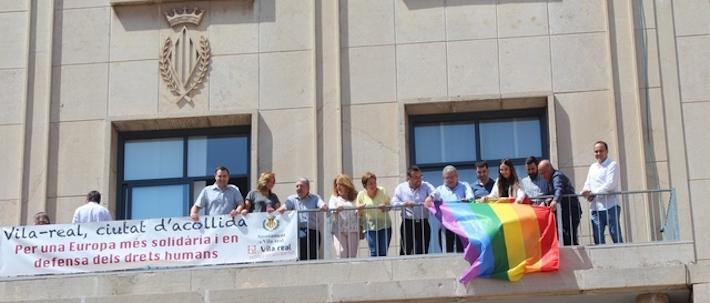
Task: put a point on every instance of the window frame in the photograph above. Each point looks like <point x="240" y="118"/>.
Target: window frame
<point x="476" y="118"/>
<point x="124" y="192"/>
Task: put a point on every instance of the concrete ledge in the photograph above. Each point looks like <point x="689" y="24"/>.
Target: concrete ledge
<point x="431" y="278"/>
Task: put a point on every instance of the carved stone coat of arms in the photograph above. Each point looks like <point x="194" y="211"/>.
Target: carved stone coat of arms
<point x="184" y="58"/>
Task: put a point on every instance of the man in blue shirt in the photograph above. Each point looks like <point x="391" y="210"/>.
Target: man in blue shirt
<point x="221" y="198"/>
<point x="452" y="191"/>
<point x="563" y="194"/>
<point x="309" y="218"/>
<point x="484" y="184"/>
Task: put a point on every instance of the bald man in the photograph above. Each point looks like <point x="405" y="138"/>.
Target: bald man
<point x="559" y="186"/>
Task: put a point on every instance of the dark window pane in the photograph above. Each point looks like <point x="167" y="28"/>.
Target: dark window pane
<point x="205" y="153"/>
<point x="445" y="143"/>
<point x="153" y="159"/>
<point x="159" y="201"/>
<point x="510" y="138"/>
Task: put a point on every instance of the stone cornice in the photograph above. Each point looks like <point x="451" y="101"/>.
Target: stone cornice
<point x="137" y="2"/>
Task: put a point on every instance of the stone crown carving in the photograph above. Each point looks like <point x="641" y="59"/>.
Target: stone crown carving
<point x="184" y="16"/>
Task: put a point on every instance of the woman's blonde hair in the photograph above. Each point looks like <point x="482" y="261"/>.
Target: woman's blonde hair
<point x="347" y="182"/>
<point x="264" y="178"/>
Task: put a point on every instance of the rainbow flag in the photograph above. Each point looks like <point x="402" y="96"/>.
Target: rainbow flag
<point x="503" y="240"/>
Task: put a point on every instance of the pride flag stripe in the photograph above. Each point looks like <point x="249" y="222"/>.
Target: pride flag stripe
<point x="531" y="235"/>
<point x="504" y="240"/>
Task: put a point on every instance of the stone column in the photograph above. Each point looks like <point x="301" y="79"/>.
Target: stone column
<point x="632" y="157"/>
<point x="37" y="117"/>
<point x="675" y="134"/>
<point x="328" y="98"/>
<point x="328" y="124"/>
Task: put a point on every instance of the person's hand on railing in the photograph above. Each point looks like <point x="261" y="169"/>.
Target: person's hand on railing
<point x="359" y="209"/>
<point x="241" y="210"/>
<point x="429" y="202"/>
<point x="281" y="210"/>
<point x="587" y="194"/>
<point x="408" y="204"/>
<point x="553" y="205"/>
<point x="382" y="207"/>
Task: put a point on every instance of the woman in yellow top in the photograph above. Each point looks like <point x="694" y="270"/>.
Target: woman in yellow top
<point x="377" y="225"/>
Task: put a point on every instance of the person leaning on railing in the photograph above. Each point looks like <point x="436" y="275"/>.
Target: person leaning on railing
<point x="507" y="186"/>
<point x="263" y="199"/>
<point x="220" y="198"/>
<point x="534" y="185"/>
<point x="308" y="222"/>
<point x="484" y="184"/>
<point x="376" y="222"/>
<point x="415" y="230"/>
<point x="603" y="177"/>
<point x="452" y="191"/>
<point x="346" y="227"/>
<point x="559" y="186"/>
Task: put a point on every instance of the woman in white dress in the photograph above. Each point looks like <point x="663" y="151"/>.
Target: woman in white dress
<point x="346" y="226"/>
<point x="507" y="187"/>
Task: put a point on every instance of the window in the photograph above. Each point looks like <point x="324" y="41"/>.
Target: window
<point x="463" y="139"/>
<point x="161" y="173"/>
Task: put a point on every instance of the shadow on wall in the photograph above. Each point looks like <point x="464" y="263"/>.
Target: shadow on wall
<point x="564" y="136"/>
<point x="419" y="4"/>
<point x="265" y="147"/>
<point x="345" y="91"/>
<point x="56" y="105"/>
<point x="347" y="141"/>
<point x="643" y="57"/>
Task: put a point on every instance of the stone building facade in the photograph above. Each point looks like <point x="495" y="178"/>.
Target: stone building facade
<point x="319" y="87"/>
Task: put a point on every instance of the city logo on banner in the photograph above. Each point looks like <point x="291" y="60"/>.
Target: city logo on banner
<point x="271" y="223"/>
<point x="184" y="57"/>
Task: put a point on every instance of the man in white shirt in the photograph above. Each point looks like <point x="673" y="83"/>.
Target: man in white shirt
<point x="92" y="211"/>
<point x="603" y="178"/>
<point x="415" y="230"/>
<point x="452" y="191"/>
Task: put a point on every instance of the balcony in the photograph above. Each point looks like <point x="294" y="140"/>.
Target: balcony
<point x="588" y="273"/>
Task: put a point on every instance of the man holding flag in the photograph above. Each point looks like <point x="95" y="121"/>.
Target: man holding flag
<point x="451" y="191"/>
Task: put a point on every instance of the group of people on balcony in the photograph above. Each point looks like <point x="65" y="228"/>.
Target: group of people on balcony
<point x="365" y="214"/>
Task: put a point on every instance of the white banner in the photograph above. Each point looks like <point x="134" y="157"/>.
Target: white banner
<point x="120" y="245"/>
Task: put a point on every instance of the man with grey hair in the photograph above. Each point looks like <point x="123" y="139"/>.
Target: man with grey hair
<point x="452" y="191"/>
<point x="309" y="220"/>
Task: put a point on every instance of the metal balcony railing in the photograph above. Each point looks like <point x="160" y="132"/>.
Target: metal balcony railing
<point x="643" y="216"/>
